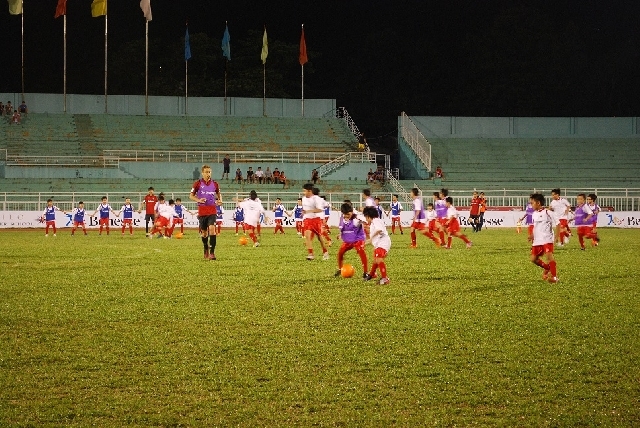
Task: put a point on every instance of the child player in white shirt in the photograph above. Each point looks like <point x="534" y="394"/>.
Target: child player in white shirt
<point x="542" y="238"/>
<point x="381" y="244"/>
<point x="453" y="225"/>
<point x="253" y="209"/>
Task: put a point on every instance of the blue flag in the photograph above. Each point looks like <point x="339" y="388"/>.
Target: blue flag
<point x="187" y="46"/>
<point x="226" y="47"/>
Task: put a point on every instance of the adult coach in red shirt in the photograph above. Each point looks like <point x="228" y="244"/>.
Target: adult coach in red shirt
<point x="474" y="211"/>
<point x="149" y="201"/>
<point x="206" y="192"/>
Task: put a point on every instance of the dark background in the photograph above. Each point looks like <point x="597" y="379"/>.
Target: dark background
<point x="496" y="58"/>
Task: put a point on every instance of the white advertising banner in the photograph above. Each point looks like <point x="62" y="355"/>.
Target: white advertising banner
<point x="34" y="219"/>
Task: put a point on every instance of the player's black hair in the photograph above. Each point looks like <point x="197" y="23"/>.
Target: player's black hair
<point x="299" y="199"/>
<point x="49" y="200"/>
<point x="366" y="192"/>
<point x="171" y="202"/>
<point x="315" y="191"/>
<point x="583" y="195"/>
<point x="161" y="197"/>
<point x="348" y="201"/>
<point x="538" y="197"/>
<point x="556" y="191"/>
<point x="429" y="205"/>
<point x="150" y="188"/>
<point x="253" y="195"/>
<point x="449" y="199"/>
<point x="376" y="199"/>
<point x="80" y="202"/>
<point x="415" y="191"/>
<point x="394" y="195"/>
<point x="346" y="208"/>
<point x="178" y="200"/>
<point x="278" y="199"/>
<point x="445" y="192"/>
<point x="593" y="196"/>
<point x="104" y="197"/>
<point x="308" y="186"/>
<point x="324" y="197"/>
<point x="370" y="212"/>
<point x="436" y="195"/>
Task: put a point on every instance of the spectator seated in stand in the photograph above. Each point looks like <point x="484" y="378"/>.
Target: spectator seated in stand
<point x="16" y="117"/>
<point x="23" y="109"/>
<point x="1" y="109"/>
<point x="284" y="180"/>
<point x="238" y="178"/>
<point x="268" y="176"/>
<point x="250" y="177"/>
<point x="259" y="175"/>
<point x="276" y="176"/>
<point x="8" y="108"/>
<point x="314" y="176"/>
<point x="370" y="176"/>
<point x="438" y="173"/>
<point x="379" y="175"/>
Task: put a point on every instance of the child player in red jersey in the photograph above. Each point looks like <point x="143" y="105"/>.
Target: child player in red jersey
<point x="542" y="238"/>
<point x="205" y="192"/>
<point x="352" y="236"/>
<point x="149" y="201"/>
<point x="49" y="216"/>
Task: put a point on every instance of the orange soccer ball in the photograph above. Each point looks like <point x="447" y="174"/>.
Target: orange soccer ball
<point x="179" y="235"/>
<point x="243" y="240"/>
<point x="347" y="271"/>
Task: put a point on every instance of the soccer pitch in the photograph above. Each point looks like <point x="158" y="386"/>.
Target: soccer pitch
<point x="112" y="331"/>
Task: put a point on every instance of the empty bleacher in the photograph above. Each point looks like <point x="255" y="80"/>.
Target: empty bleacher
<point x="41" y="135"/>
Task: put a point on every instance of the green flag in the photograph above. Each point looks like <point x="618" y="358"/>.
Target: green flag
<point x="15" y="7"/>
<point x="265" y="47"/>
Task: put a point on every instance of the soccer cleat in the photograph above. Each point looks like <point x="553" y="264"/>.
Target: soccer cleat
<point x="257" y="244"/>
<point x="413" y="246"/>
<point x="325" y="256"/>
<point x="545" y="275"/>
<point x="581" y="248"/>
<point x="566" y="240"/>
<point x="469" y="244"/>
<point x="212" y="256"/>
<point x="236" y="234"/>
<point x="366" y="277"/>
<point x="553" y="279"/>
<point x="310" y="257"/>
<point x="206" y="254"/>
<point x="54" y="234"/>
<point x="338" y="273"/>
<point x="401" y="233"/>
<point x="384" y="281"/>
<point x="46" y="235"/>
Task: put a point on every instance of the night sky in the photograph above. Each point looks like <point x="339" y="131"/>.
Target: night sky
<point x="466" y="58"/>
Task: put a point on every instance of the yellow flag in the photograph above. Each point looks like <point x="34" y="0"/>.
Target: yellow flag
<point x="98" y="8"/>
<point x="265" y="47"/>
<point x="15" y="7"/>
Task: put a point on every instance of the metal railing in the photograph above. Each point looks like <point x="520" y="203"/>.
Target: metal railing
<point x="340" y="161"/>
<point x="414" y="138"/>
<point x="236" y="157"/>
<point x="68" y="161"/>
<point x="393" y="182"/>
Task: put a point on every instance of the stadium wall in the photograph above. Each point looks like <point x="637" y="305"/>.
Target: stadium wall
<point x="169" y="106"/>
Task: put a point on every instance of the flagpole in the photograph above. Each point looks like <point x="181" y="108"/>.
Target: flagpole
<point x="302" y="65"/>
<point x="105" y="64"/>
<point x="264" y="89"/>
<point x="64" y="79"/>
<point x="186" y="87"/>
<point x="22" y="18"/>
<point x="226" y="64"/>
<point x="146" y="70"/>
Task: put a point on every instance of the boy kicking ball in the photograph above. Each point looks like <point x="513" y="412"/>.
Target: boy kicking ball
<point x="381" y="244"/>
<point x="542" y="238"/>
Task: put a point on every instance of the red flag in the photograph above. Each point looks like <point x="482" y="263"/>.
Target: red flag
<point x="303" y="49"/>
<point x="61" y="9"/>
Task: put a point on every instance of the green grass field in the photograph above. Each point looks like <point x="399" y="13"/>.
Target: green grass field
<point x="112" y="332"/>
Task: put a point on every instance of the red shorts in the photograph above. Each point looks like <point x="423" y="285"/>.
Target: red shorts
<point x="127" y="221"/>
<point x="453" y="226"/>
<point x="442" y="222"/>
<point x="417" y="225"/>
<point x="539" y="250"/>
<point x="162" y="222"/>
<point x="51" y="223"/>
<point x="104" y="222"/>
<point x="312" y="224"/>
<point x="432" y="225"/>
<point x="564" y="223"/>
<point x="346" y="246"/>
<point x="379" y="253"/>
<point x="177" y="220"/>
<point x="249" y="228"/>
<point x="394" y="219"/>
<point x="78" y="223"/>
<point x="278" y="221"/>
<point x="218" y="222"/>
<point x="585" y="230"/>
